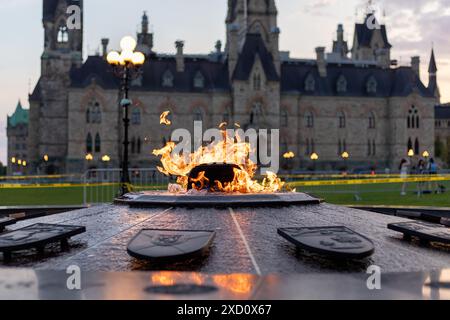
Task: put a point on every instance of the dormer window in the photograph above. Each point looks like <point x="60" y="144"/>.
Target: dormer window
<point x="63" y="34"/>
<point x="199" y="80"/>
<point x="167" y="80"/>
<point x="341" y="85"/>
<point x="310" y="83"/>
<point x="371" y="85"/>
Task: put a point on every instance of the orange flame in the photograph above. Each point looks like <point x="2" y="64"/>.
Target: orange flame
<point x="230" y="150"/>
<point x="164" y="120"/>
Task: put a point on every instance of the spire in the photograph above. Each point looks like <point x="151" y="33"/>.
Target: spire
<point x="145" y="23"/>
<point x="432" y="68"/>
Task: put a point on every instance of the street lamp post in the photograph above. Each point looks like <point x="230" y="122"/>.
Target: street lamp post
<point x="126" y="66"/>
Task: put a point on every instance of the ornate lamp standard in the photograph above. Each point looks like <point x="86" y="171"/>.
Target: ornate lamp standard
<point x="126" y="66"/>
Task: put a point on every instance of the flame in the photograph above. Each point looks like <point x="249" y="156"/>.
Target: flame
<point x="289" y="155"/>
<point x="230" y="150"/>
<point x="239" y="283"/>
<point x="164" y="120"/>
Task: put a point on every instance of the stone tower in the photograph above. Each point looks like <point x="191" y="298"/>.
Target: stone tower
<point x="254" y="63"/>
<point x="63" y="27"/>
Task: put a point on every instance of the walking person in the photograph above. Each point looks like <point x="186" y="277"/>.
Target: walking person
<point x="404" y="169"/>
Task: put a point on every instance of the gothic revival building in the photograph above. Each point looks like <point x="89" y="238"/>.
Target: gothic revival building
<point x="17" y="134"/>
<point x="353" y="100"/>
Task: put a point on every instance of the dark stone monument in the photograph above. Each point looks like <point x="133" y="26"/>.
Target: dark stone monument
<point x="334" y="242"/>
<point x="425" y="232"/>
<point x="37" y="236"/>
<point x="169" y="245"/>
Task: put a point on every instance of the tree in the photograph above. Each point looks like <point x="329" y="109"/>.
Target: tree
<point x="2" y="169"/>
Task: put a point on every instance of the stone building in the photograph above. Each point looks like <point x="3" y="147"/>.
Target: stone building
<point x="353" y="100"/>
<point x="17" y="134"/>
<point x="442" y="125"/>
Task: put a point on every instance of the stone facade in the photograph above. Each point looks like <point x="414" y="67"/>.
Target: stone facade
<point x="344" y="101"/>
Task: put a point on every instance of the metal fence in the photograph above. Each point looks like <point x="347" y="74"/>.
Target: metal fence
<point x="102" y="185"/>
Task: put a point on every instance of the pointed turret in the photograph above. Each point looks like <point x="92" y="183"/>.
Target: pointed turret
<point x="145" y="38"/>
<point x="432" y="76"/>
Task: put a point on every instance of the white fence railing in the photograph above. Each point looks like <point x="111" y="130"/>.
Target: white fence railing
<point x="103" y="185"/>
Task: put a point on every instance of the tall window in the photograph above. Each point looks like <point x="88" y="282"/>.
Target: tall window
<point x="89" y="143"/>
<point x="371" y="147"/>
<point x="417" y="146"/>
<point x="413" y="120"/>
<point x="372" y="123"/>
<point x="342" y="120"/>
<point x="98" y="143"/>
<point x="133" y="145"/>
<point x="136" y="117"/>
<point x="88" y="115"/>
<point x="410" y="144"/>
<point x="63" y="34"/>
<point x="309" y="118"/>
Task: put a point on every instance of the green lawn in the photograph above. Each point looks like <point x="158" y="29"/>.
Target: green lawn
<point x="373" y="194"/>
<point x="379" y="194"/>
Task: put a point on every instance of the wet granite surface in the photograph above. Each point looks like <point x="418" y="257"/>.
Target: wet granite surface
<point x="110" y="227"/>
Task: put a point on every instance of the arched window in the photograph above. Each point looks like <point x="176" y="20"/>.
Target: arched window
<point x="413" y="120"/>
<point x="309" y="118"/>
<point x="372" y="121"/>
<point x="89" y="143"/>
<point x="341" y="84"/>
<point x="310" y="83"/>
<point x="167" y="80"/>
<point x="138" y="145"/>
<point x="136" y="117"/>
<point x="340" y="147"/>
<point x="369" y="148"/>
<point x="371" y="85"/>
<point x="199" y="80"/>
<point x="98" y="143"/>
<point x="284" y="118"/>
<point x="410" y="145"/>
<point x="342" y="120"/>
<point x="97" y="113"/>
<point x="256" y="113"/>
<point x="198" y="114"/>
<point x="417" y="146"/>
<point x="63" y="34"/>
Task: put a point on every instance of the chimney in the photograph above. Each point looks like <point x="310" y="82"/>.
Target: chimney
<point x="105" y="43"/>
<point x="321" y="62"/>
<point x="415" y="65"/>
<point x="180" y="55"/>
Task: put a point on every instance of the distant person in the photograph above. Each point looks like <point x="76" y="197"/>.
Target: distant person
<point x="404" y="168"/>
<point x="421" y="170"/>
<point x="433" y="170"/>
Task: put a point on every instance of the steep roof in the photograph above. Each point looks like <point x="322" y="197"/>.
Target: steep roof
<point x="215" y="74"/>
<point x="364" y="34"/>
<point x="399" y="82"/>
<point x="254" y="45"/>
<point x="442" y="112"/>
<point x="432" y="68"/>
<point x="20" y="116"/>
